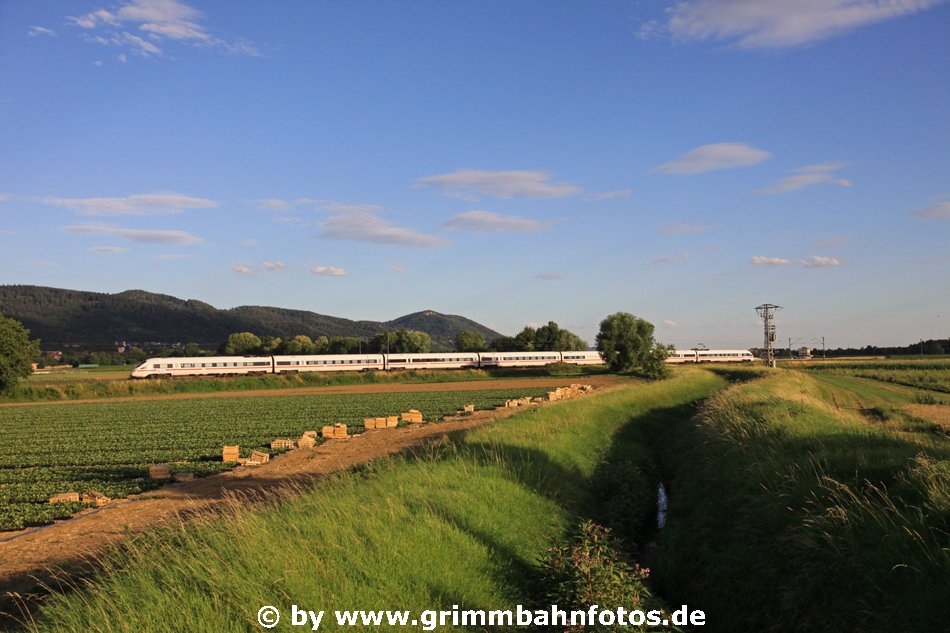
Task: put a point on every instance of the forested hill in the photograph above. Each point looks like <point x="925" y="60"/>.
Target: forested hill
<point x="96" y="320"/>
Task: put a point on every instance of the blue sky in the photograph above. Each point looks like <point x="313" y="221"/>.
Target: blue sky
<point x="513" y="162"/>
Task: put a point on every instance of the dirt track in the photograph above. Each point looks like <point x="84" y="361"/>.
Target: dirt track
<point x="36" y="555"/>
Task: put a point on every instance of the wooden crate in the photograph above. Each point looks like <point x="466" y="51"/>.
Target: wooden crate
<point x="340" y="431"/>
<point x="65" y="497"/>
<point x="312" y="434"/>
<point x="260" y="457"/>
<point x="328" y="431"/>
<point x="230" y="453"/>
<point x="306" y="441"/>
<point x="469" y="408"/>
<point x="93" y="496"/>
<point x="282" y="444"/>
<point x="369" y="423"/>
<point x="392" y="421"/>
<point x="159" y="471"/>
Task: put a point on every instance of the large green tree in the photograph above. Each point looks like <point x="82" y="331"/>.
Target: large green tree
<point x="241" y="343"/>
<point x="470" y="342"/>
<point x="401" y="342"/>
<point x="627" y="344"/>
<point x="17" y="352"/>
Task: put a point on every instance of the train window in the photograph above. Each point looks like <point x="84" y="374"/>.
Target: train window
<point x="156" y="366"/>
<point x="283" y="362"/>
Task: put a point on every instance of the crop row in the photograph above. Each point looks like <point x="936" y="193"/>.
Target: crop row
<point x="108" y="446"/>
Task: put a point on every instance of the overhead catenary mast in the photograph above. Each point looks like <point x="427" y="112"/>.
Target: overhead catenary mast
<point x="767" y="312"/>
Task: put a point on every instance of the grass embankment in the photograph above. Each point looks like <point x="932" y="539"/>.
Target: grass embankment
<point x="464" y="522"/>
<point x="791" y="514"/>
<point x="88" y="386"/>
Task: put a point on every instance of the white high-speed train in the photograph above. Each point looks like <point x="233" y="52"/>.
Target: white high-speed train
<point x="710" y="356"/>
<point x="259" y="365"/>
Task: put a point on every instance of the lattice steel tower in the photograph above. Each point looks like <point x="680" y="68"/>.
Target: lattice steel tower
<point x="767" y="312"/>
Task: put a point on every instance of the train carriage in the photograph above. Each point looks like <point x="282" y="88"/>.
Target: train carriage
<point x="203" y="366"/>
<point x="452" y="360"/>
<point x="327" y="362"/>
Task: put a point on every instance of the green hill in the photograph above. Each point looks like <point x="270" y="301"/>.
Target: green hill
<point x="96" y="320"/>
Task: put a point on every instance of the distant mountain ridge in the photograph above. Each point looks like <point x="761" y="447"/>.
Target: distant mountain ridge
<point x="60" y="317"/>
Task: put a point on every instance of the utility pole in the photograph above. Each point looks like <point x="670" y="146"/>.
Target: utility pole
<point x="767" y="312"/>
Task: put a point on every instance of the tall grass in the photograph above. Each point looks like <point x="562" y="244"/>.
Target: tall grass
<point x="462" y="522"/>
<point x="789" y="515"/>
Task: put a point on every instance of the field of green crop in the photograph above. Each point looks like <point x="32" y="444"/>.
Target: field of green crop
<point x="107" y="447"/>
<point x="933" y="375"/>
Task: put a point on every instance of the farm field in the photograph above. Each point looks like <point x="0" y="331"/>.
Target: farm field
<point x="106" y="383"/>
<point x="108" y="446"/>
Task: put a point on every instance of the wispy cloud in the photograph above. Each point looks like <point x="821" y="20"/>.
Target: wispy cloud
<point x="329" y="271"/>
<point x="157" y="22"/>
<point x="361" y="226"/>
<point x="488" y="222"/>
<point x="714" y="157"/>
<point x="815" y="261"/>
<point x="35" y="31"/>
<point x="758" y="260"/>
<point x="274" y="266"/>
<point x="552" y="276"/>
<point x="108" y="250"/>
<point x="499" y="184"/>
<point x="809" y="176"/>
<point x="137" y="235"/>
<point x="610" y="195"/>
<point x="675" y="229"/>
<point x="673" y="259"/>
<point x="669" y="323"/>
<point x="139" y="204"/>
<point x="781" y="23"/>
<point x="939" y="211"/>
<point x="832" y="242"/>
<point x="169" y="257"/>
<point x="331" y="206"/>
<point x="245" y="270"/>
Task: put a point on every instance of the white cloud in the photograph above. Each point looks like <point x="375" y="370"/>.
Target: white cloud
<point x="488" y="222"/>
<point x="673" y="259"/>
<point x="808" y="176"/>
<point x="139" y="204"/>
<point x="668" y="323"/>
<point x="4" y="197"/>
<point x="274" y="266"/>
<point x="398" y="269"/>
<point x="40" y="30"/>
<point x="552" y="276"/>
<point x="499" y="184"/>
<point x="939" y="211"/>
<point x="361" y="226"/>
<point x="674" y="229"/>
<point x="817" y="261"/>
<point x="108" y="250"/>
<point x="758" y="260"/>
<point x="157" y="21"/>
<point x="332" y="206"/>
<point x="245" y="270"/>
<point x="781" y="23"/>
<point x="329" y="271"/>
<point x="714" y="157"/>
<point x="137" y="235"/>
<point x="610" y="195"/>
<point x="832" y="242"/>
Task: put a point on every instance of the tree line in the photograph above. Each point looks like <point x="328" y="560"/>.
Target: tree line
<point x="625" y="341"/>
